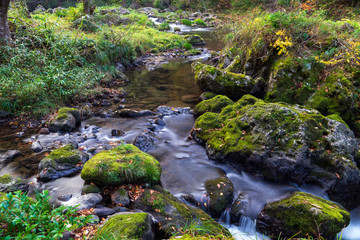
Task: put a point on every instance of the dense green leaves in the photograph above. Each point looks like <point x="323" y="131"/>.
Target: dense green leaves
<point x="26" y="218"/>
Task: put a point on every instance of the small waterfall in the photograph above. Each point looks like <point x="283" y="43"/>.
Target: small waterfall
<point x="247" y="225"/>
<point x="225" y="217"/>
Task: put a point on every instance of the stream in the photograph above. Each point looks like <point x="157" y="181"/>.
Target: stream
<point x="185" y="165"/>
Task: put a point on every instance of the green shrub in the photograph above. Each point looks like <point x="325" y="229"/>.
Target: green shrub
<point x="187" y="46"/>
<point x="85" y="24"/>
<point x="164" y="26"/>
<point x="35" y="219"/>
<point x="186" y="22"/>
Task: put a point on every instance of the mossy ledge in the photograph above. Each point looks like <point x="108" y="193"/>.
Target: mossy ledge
<point x="233" y="85"/>
<point x="303" y="215"/>
<point x="125" y="164"/>
<point x="283" y="142"/>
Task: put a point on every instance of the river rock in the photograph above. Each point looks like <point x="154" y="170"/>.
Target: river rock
<point x="62" y="162"/>
<point x="9" y="156"/>
<point x="131" y="113"/>
<point x="146" y="141"/>
<point x="238" y="208"/>
<point x="282" y="142"/>
<point x="44" y="131"/>
<point x="233" y="85"/>
<point x="303" y="215"/>
<point x="103" y="211"/>
<point x="117" y="133"/>
<point x="220" y="192"/>
<point x="195" y="40"/>
<point x="128" y="226"/>
<point x="120" y="197"/>
<point x="36" y="147"/>
<point x="125" y="164"/>
<point x="174" y="215"/>
<point x="159" y="121"/>
<point x="168" y="111"/>
<point x="90" y="189"/>
<point x="66" y="120"/>
<point x="215" y="104"/>
<point x="9" y="183"/>
<point x="85" y="201"/>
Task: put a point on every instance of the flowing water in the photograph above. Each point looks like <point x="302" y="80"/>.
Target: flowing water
<point x="184" y="163"/>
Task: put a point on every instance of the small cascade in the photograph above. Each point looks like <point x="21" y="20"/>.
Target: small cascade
<point x="225" y="217"/>
<point x="247" y="225"/>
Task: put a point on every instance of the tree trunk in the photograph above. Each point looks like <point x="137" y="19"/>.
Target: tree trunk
<point x="86" y="7"/>
<point x="5" y="37"/>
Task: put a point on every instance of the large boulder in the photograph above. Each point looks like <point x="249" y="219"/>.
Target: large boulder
<point x="303" y="215"/>
<point x="282" y="142"/>
<point x="221" y="193"/>
<point x="65" y="120"/>
<point x="173" y="215"/>
<point x="9" y="183"/>
<point x="125" y="164"/>
<point x="127" y="226"/>
<point x="233" y="85"/>
<point x="62" y="162"/>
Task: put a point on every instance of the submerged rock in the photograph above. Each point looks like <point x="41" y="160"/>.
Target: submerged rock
<point x="9" y="183"/>
<point x="125" y="164"/>
<point x="66" y="120"/>
<point x="220" y="192"/>
<point x="174" y="215"/>
<point x="62" y="162"/>
<point x="281" y="142"/>
<point x="127" y="226"/>
<point x="9" y="156"/>
<point x="233" y="85"/>
<point x="303" y="215"/>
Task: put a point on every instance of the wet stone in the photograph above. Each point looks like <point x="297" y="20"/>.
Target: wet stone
<point x="44" y="131"/>
<point x="117" y="133"/>
<point x="103" y="211"/>
<point x="65" y="197"/>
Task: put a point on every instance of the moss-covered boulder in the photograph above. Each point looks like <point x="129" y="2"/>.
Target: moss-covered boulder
<point x="90" y="189"/>
<point x="173" y="215"/>
<point x="302" y="215"/>
<point x="233" y="85"/>
<point x="282" y="142"/>
<point x="207" y="95"/>
<point x="9" y="183"/>
<point x="221" y="193"/>
<point x="195" y="40"/>
<point x="127" y="226"/>
<point x="65" y="120"/>
<point x="62" y="162"/>
<point x="215" y="104"/>
<point x="125" y="164"/>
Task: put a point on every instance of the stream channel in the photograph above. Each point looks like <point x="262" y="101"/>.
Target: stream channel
<point x="185" y="165"/>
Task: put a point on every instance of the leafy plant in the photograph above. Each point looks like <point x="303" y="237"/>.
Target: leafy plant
<point x="26" y="218"/>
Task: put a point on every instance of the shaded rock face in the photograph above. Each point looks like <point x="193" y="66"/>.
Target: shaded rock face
<point x="66" y="120"/>
<point x="146" y="141"/>
<point x="127" y="226"/>
<point x="9" y="183"/>
<point x="304" y="215"/>
<point x="233" y="85"/>
<point x="174" y="215"/>
<point x="281" y="142"/>
<point x="9" y="156"/>
<point x="125" y="164"/>
<point x="220" y="192"/>
<point x="62" y="162"/>
<point x="120" y="197"/>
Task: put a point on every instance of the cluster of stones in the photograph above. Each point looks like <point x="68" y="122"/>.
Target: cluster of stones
<point x="285" y="143"/>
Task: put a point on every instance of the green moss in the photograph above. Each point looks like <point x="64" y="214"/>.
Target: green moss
<point x="338" y="96"/>
<point x="68" y="154"/>
<point x="2" y="196"/>
<point x="305" y="213"/>
<point x="90" y="189"/>
<point x="124" y="226"/>
<point x="5" y="179"/>
<point x="175" y="215"/>
<point x="233" y="85"/>
<point x="215" y="105"/>
<point x="251" y="124"/>
<point x="125" y="164"/>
